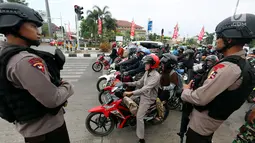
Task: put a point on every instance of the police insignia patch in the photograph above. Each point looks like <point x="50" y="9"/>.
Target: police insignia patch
<point x="212" y="75"/>
<point x="37" y="63"/>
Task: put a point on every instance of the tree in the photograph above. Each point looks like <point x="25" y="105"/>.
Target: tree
<point x="19" y="1"/>
<point x="45" y="29"/>
<point x="209" y="38"/>
<point x="252" y="44"/>
<point x="89" y="25"/>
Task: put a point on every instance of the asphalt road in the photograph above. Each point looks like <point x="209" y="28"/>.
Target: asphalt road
<point x="78" y="71"/>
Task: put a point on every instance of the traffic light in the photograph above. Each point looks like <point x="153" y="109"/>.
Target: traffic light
<point x="78" y="11"/>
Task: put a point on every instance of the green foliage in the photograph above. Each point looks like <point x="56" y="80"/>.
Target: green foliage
<point x="45" y="29"/>
<point x="191" y="41"/>
<point x="19" y="1"/>
<point x="252" y="44"/>
<point x="89" y="25"/>
<point x="209" y="38"/>
<point x="154" y="37"/>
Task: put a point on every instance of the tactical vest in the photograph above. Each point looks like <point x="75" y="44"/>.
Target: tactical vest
<point x="229" y="101"/>
<point x="18" y="104"/>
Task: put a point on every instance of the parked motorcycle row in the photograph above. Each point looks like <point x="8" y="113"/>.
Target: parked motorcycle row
<point x="114" y="112"/>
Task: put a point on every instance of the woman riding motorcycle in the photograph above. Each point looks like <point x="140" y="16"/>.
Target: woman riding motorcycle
<point x="148" y="93"/>
<point x="168" y="75"/>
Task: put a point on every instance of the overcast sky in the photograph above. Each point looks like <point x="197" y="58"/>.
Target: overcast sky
<point x="191" y="15"/>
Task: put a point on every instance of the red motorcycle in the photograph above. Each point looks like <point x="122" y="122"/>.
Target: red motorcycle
<point x="118" y="78"/>
<point x="114" y="112"/>
<point x="101" y="62"/>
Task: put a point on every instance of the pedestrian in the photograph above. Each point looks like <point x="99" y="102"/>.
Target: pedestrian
<point x="32" y="95"/>
<point x="227" y="84"/>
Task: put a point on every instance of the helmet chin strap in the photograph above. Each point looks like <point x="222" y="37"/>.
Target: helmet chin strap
<point x="30" y="42"/>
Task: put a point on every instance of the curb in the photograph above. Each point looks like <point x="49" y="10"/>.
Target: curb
<point x="83" y="55"/>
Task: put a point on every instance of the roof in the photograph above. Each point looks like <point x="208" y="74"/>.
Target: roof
<point x="124" y="23"/>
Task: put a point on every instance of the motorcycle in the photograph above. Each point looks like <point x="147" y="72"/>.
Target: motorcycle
<point x="105" y="80"/>
<point x="115" y="112"/>
<point x="112" y="83"/>
<point x="101" y="62"/>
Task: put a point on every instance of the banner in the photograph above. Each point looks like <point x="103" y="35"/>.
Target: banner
<point x="132" y="31"/>
<point x="176" y="30"/>
<point x="149" y="26"/>
<point x="201" y="35"/>
<point x="99" y="24"/>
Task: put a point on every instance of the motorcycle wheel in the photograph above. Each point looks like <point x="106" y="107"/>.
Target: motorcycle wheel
<point x="97" y="67"/>
<point x="101" y="96"/>
<point x="100" y="123"/>
<point x="101" y="81"/>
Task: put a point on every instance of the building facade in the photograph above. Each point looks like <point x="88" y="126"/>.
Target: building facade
<point x="124" y="27"/>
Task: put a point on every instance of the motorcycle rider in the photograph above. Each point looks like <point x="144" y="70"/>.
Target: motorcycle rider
<point x="30" y="96"/>
<point x="114" y="53"/>
<point x="168" y="63"/>
<point x="131" y="58"/>
<point x="137" y="67"/>
<point x="148" y="93"/>
<point x="228" y="79"/>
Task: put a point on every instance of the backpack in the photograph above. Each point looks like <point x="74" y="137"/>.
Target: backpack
<point x="180" y="81"/>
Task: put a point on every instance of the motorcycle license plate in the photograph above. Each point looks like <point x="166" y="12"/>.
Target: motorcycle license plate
<point x="107" y="98"/>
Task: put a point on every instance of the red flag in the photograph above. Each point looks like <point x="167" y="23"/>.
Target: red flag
<point x="99" y="22"/>
<point x="132" y="31"/>
<point x="201" y="35"/>
<point x="176" y="30"/>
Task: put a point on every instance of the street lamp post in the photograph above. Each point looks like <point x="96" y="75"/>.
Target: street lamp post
<point x="49" y="17"/>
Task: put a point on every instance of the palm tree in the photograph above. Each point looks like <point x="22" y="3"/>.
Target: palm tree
<point x="109" y="23"/>
<point x="102" y="13"/>
<point x="209" y="37"/>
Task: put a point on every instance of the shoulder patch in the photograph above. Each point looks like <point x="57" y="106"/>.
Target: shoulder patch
<point x="212" y="75"/>
<point x="218" y="66"/>
<point x="37" y="63"/>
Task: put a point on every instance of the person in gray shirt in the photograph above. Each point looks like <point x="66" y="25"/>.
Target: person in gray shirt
<point x="31" y="97"/>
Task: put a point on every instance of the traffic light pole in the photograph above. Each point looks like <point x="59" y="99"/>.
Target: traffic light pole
<point x="77" y="31"/>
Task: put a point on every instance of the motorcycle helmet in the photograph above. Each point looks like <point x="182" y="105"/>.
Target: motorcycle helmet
<point x="240" y="32"/>
<point x="168" y="61"/>
<point x="211" y="60"/>
<point x="13" y="15"/>
<point x="132" y="50"/>
<point x="151" y="59"/>
<point x="114" y="45"/>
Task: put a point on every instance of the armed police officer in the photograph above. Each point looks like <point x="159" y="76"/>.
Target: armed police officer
<point x="230" y="81"/>
<point x="32" y="94"/>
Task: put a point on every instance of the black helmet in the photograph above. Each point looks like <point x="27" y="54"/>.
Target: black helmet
<point x="239" y="27"/>
<point x="213" y="58"/>
<point x="169" y="61"/>
<point x="12" y="15"/>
